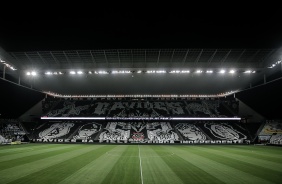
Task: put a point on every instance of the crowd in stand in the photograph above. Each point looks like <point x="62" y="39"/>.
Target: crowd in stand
<point x="11" y="132"/>
<point x="140" y="108"/>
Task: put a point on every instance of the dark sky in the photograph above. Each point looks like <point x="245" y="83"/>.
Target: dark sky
<point x="94" y="26"/>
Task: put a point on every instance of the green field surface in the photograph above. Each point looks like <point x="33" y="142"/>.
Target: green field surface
<point x="139" y="164"/>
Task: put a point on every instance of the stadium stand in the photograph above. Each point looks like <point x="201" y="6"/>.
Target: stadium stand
<point x="127" y="120"/>
<point x="271" y="133"/>
<point x="11" y="131"/>
<point x="141" y="108"/>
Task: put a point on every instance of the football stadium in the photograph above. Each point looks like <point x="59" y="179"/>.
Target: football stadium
<point x="138" y="113"/>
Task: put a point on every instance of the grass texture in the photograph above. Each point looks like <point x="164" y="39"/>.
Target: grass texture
<point x="139" y="164"/>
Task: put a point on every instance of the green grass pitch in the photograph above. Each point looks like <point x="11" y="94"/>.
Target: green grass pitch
<point x="139" y="164"/>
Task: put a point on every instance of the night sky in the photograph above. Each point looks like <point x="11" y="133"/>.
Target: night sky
<point x="53" y="27"/>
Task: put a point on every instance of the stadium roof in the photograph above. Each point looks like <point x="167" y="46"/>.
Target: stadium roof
<point x="132" y="40"/>
<point x="256" y="59"/>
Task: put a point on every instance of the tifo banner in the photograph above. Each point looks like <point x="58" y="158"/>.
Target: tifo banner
<point x="142" y="132"/>
<point x="142" y="141"/>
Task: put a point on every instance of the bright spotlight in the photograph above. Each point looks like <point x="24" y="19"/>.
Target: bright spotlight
<point x="72" y="72"/>
<point x="28" y="73"/>
<point x="199" y="71"/>
<point x="48" y="73"/>
<point x="209" y="71"/>
<point x="101" y="72"/>
<point x="160" y="71"/>
<point x="79" y="72"/>
<point x="232" y="71"/>
<point x="33" y="73"/>
<point x="222" y="71"/>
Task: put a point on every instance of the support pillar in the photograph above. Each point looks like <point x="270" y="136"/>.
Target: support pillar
<point x="4" y="71"/>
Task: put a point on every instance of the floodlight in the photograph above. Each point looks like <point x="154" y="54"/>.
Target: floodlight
<point x="72" y="72"/>
<point x="102" y="72"/>
<point x="199" y="71"/>
<point x="79" y="72"/>
<point x="232" y="71"/>
<point x="48" y="73"/>
<point x="33" y="73"/>
<point x="222" y="71"/>
<point x="160" y="71"/>
<point x="28" y="73"/>
<point x="209" y="71"/>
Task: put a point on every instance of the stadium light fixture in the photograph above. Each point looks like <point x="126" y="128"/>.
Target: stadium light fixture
<point x="232" y="71"/>
<point x="222" y="71"/>
<point x="7" y="65"/>
<point x="13" y="68"/>
<point x="120" y="71"/>
<point x="209" y="71"/>
<point x="72" y="72"/>
<point x="32" y="73"/>
<point x="101" y="72"/>
<point x="160" y="71"/>
<point x="199" y="71"/>
<point x="48" y="73"/>
<point x="79" y="72"/>
<point x="139" y="71"/>
<point x="274" y="64"/>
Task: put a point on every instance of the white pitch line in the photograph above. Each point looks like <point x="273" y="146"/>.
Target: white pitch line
<point x="141" y="173"/>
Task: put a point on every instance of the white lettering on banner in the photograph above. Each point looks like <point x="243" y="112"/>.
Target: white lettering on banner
<point x="145" y="141"/>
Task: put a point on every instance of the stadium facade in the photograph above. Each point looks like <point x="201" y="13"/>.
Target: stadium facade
<point x="150" y="96"/>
